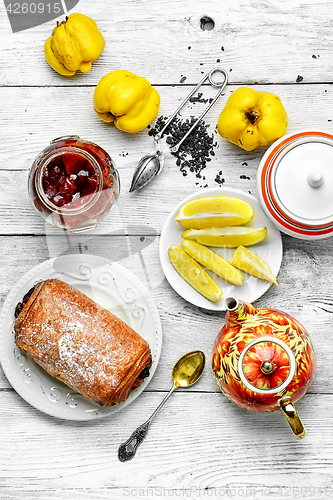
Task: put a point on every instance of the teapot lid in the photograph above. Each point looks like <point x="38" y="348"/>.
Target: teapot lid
<point x="266" y="365"/>
<point x="295" y="184"/>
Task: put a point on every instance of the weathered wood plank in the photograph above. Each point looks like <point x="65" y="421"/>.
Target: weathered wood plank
<point x="204" y="449"/>
<point x="267" y="42"/>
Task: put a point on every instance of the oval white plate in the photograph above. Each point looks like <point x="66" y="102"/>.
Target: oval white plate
<point x="270" y="250"/>
<point x="109" y="284"/>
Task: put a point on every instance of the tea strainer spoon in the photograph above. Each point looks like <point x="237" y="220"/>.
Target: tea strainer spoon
<point x="151" y="165"/>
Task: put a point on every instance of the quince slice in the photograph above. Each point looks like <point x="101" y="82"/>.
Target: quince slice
<point x="194" y="274"/>
<point x="227" y="237"/>
<point x="213" y="261"/>
<point x="214" y="211"/>
<point x="249" y="262"/>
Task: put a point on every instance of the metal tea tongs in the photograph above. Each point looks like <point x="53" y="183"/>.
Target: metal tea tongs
<point x="151" y="165"/>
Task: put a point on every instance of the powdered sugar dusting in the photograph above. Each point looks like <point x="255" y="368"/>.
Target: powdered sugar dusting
<point x="79" y="342"/>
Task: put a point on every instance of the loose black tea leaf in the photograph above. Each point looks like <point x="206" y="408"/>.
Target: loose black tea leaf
<point x="196" y="151"/>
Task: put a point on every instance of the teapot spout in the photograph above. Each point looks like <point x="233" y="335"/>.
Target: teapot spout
<point x="238" y="311"/>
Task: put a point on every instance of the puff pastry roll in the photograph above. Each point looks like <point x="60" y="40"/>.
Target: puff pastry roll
<point x="80" y="343"/>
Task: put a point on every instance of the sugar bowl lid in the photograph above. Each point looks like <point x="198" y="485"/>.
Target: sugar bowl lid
<point x="295" y="184"/>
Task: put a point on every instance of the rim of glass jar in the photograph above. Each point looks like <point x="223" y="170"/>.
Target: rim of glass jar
<point x="39" y="187"/>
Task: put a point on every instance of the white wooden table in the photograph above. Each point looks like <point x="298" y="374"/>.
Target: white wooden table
<point x="200" y="445"/>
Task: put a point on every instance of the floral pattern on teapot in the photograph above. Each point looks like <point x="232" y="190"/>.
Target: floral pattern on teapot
<point x="265" y="365"/>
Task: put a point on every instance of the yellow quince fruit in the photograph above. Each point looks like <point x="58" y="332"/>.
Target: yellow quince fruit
<point x="252" y="118"/>
<point x="127" y="100"/>
<point x="75" y="43"/>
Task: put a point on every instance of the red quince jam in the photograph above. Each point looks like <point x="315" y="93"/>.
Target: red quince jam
<point x="69" y="179"/>
<point x="73" y="183"/>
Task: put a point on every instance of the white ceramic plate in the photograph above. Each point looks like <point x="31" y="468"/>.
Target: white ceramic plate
<point x="109" y="284"/>
<point x="270" y="250"/>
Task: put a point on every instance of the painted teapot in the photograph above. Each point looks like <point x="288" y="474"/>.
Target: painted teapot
<point x="263" y="360"/>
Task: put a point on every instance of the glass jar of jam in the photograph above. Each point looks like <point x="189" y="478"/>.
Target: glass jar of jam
<point x="73" y="184"/>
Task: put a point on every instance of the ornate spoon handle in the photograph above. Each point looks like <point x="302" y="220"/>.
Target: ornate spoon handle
<point x="127" y="450"/>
